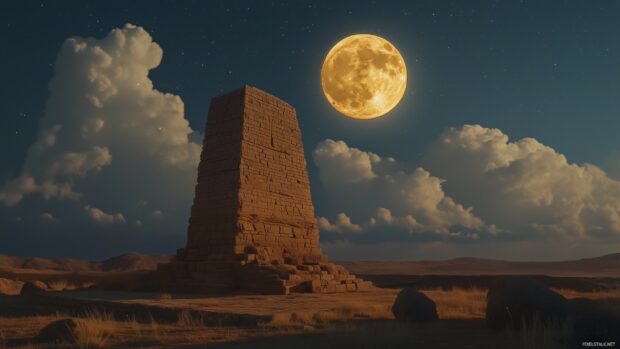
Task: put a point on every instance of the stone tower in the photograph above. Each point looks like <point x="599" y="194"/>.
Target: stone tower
<point x="252" y="225"/>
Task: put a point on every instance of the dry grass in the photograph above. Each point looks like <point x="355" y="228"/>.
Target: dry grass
<point x="320" y="320"/>
<point x="539" y="335"/>
<point x="60" y="285"/>
<point x="375" y="334"/>
<point x="470" y="303"/>
<point x="606" y="294"/>
<point x="459" y="303"/>
<point x="154" y="332"/>
<point x="66" y="285"/>
<point x="95" y="330"/>
<point x="142" y="332"/>
<point x="189" y="320"/>
<point x="10" y="287"/>
<point x="13" y="287"/>
<point x="341" y="314"/>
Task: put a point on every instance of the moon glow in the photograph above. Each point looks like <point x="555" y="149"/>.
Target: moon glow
<point x="364" y="76"/>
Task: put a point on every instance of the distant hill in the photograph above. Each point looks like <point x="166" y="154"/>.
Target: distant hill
<point x="604" y="266"/>
<point x="124" y="263"/>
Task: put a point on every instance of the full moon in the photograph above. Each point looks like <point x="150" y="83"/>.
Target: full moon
<point x="364" y="76"/>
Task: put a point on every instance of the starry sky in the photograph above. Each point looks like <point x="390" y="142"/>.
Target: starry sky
<point x="547" y="71"/>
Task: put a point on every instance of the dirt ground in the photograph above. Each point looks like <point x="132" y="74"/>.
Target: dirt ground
<point x="356" y="320"/>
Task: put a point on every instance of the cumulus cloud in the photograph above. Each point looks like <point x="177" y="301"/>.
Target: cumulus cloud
<point x="46" y="216"/>
<point x="341" y="164"/>
<point x="109" y="139"/>
<point x="157" y="214"/>
<point x="97" y="215"/>
<point x="78" y="164"/>
<point x="14" y="191"/>
<point x="526" y="186"/>
<point x="519" y="190"/>
<point x="388" y="195"/>
<point x="342" y="224"/>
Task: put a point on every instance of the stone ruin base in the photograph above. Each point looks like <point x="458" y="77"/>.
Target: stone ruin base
<point x="249" y="275"/>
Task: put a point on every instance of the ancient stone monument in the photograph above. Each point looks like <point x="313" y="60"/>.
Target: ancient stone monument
<point x="252" y="225"/>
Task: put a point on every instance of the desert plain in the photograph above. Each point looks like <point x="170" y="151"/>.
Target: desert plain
<point x="111" y="313"/>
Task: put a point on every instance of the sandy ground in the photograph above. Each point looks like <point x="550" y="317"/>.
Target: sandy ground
<point x="300" y="321"/>
<point x="249" y="304"/>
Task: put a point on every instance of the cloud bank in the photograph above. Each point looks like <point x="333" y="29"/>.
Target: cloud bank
<point x="109" y="141"/>
<point x="526" y="186"/>
<point x="390" y="196"/>
<point x="475" y="184"/>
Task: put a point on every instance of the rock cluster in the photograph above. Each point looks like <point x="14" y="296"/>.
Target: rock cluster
<point x="252" y="224"/>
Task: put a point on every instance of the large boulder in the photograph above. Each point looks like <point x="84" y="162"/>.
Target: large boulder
<point x="33" y="288"/>
<point x="515" y="302"/>
<point x="414" y="306"/>
<point x="59" y="331"/>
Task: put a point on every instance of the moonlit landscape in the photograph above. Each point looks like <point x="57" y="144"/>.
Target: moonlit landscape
<point x="307" y="174"/>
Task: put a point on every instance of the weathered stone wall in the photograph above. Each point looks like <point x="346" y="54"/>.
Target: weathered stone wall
<point x="252" y="223"/>
<point x="276" y="215"/>
<point x="212" y="225"/>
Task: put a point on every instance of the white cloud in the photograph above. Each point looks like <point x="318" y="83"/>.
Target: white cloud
<point x="78" y="164"/>
<point x="14" y="191"/>
<point x="414" y="200"/>
<point x="157" y="214"/>
<point x="524" y="195"/>
<point x="525" y="186"/>
<point x="108" y="138"/>
<point x="342" y="224"/>
<point x="341" y="164"/>
<point x="46" y="216"/>
<point x="99" y="216"/>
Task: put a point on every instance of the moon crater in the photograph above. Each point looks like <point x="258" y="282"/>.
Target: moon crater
<point x="364" y="76"/>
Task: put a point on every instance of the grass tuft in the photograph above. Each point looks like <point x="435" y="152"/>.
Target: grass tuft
<point x="459" y="303"/>
<point x="189" y="320"/>
<point x="342" y="314"/>
<point x="95" y="330"/>
<point x="539" y="335"/>
<point x="603" y="294"/>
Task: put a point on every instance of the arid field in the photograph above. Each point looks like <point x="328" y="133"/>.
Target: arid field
<point x="361" y="320"/>
<point x="124" y="319"/>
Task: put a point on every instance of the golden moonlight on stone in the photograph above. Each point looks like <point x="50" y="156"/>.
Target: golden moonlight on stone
<point x="364" y="76"/>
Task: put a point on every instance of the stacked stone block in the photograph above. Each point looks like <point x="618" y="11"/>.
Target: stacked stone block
<point x="252" y="224"/>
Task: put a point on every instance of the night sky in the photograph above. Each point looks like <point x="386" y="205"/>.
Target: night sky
<point x="546" y="70"/>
